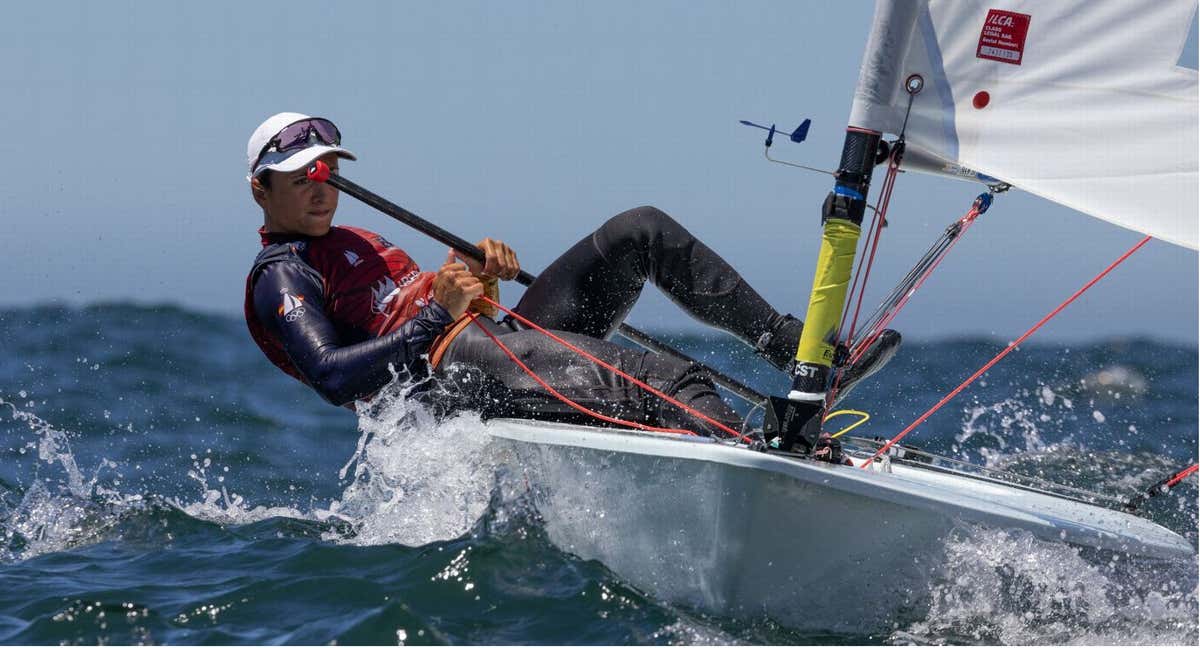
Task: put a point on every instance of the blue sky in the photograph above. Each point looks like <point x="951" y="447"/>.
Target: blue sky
<point x="126" y="126"/>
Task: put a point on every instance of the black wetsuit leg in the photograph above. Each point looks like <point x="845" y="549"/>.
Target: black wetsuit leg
<point x="592" y="287"/>
<point x="586" y="293"/>
<point x="476" y="374"/>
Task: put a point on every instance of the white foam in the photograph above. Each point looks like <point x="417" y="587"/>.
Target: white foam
<point x="999" y="429"/>
<point x="46" y="519"/>
<point x="415" y="479"/>
<point x="1007" y="587"/>
<point x="220" y="506"/>
<point x="1047" y="395"/>
<point x="690" y="632"/>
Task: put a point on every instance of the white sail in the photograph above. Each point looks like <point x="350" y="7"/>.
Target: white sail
<point x="1083" y="102"/>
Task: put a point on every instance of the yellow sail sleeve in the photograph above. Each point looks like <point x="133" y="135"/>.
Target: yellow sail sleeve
<point x="818" y="340"/>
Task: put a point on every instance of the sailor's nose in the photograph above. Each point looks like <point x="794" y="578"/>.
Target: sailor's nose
<point x="321" y="192"/>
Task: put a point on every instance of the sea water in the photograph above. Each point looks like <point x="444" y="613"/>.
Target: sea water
<point x="162" y="483"/>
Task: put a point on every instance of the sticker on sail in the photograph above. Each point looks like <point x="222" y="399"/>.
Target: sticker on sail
<point x="1003" y="36"/>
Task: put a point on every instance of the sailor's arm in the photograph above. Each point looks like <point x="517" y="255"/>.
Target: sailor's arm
<point x="340" y="374"/>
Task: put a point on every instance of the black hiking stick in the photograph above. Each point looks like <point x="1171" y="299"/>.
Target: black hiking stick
<point x="319" y="172"/>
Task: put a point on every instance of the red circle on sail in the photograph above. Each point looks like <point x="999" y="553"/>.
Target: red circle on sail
<point x="981" y="100"/>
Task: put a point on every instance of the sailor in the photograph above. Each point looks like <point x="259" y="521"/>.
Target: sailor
<point x="341" y="308"/>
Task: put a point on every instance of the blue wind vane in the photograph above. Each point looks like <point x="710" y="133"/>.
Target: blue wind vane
<point x="797" y="136"/>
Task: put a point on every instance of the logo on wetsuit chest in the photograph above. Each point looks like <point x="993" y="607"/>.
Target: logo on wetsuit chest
<point x="407" y="279"/>
<point x="382" y="294"/>
<point x="353" y="259"/>
<point x="292" y="307"/>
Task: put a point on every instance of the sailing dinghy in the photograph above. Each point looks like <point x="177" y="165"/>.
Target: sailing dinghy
<point x="737" y="532"/>
<point x="1088" y="103"/>
<point x="1083" y="102"/>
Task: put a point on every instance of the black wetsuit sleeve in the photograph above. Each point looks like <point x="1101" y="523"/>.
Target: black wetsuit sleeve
<point x="341" y="374"/>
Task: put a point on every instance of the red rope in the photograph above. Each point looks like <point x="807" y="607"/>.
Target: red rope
<point x="945" y="399"/>
<point x="860" y="349"/>
<point x="881" y="208"/>
<point x="1182" y="475"/>
<point x="555" y="393"/>
<point x="690" y="410"/>
<point x="874" y="232"/>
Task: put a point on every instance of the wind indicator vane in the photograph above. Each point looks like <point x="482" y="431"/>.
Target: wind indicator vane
<point x="798" y="135"/>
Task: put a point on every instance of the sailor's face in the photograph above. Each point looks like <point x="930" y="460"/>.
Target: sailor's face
<point x="296" y="205"/>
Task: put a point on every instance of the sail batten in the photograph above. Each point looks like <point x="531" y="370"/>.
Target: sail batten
<point x="1082" y="102"/>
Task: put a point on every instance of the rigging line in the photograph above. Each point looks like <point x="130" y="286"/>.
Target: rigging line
<point x="555" y="393"/>
<point x="905" y="284"/>
<point x="973" y="470"/>
<point x="876" y="329"/>
<point x="907" y="111"/>
<point x="1161" y="488"/>
<point x="885" y="199"/>
<point x="894" y="298"/>
<point x="891" y="307"/>
<point x="1181" y="476"/>
<point x="871" y="241"/>
<point x="874" y="233"/>
<point x="1008" y="349"/>
<point x="690" y="410"/>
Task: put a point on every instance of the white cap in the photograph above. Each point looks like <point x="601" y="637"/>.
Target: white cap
<point x="287" y="160"/>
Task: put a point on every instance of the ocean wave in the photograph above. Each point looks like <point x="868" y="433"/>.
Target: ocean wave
<point x="163" y="483"/>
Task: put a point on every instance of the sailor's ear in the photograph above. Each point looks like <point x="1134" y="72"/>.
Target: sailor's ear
<point x="259" y="191"/>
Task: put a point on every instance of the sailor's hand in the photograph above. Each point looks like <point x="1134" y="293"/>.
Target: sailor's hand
<point x="455" y="286"/>
<point x="499" y="260"/>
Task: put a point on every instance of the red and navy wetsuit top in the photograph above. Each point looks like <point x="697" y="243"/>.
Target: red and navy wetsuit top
<point x="335" y="311"/>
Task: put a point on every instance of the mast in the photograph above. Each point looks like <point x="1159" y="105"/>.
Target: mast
<point x="798" y="417"/>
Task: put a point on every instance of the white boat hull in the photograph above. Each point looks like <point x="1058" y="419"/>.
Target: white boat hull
<point x="746" y="533"/>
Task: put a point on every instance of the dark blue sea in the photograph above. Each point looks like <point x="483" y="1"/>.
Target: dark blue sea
<point x="162" y="483"/>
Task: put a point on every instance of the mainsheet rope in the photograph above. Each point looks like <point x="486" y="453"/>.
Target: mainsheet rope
<point x="580" y="408"/>
<point x="1008" y="349"/>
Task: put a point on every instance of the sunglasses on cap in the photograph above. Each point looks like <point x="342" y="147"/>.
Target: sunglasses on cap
<point x="301" y="135"/>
